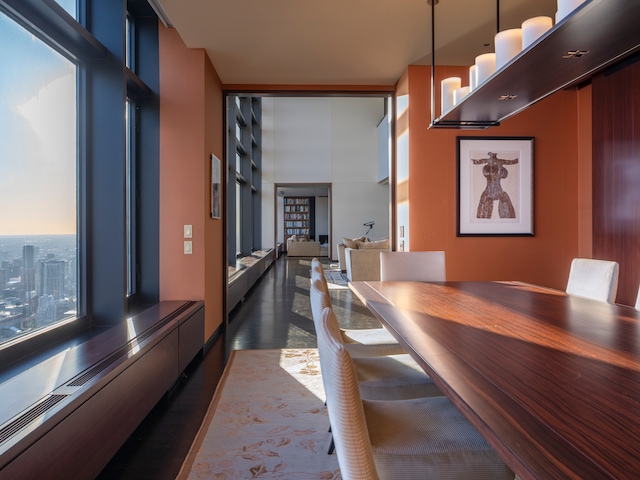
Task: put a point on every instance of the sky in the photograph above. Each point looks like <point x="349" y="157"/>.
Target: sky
<point x="37" y="135"/>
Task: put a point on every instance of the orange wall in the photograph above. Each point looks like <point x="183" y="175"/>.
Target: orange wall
<point x="190" y="130"/>
<point x="215" y="274"/>
<point x="192" y="112"/>
<point x="543" y="259"/>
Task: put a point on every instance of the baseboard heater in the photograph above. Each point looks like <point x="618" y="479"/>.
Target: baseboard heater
<point x="77" y="408"/>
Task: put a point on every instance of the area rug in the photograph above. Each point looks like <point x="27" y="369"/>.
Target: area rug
<point x="336" y="279"/>
<point x="267" y="419"/>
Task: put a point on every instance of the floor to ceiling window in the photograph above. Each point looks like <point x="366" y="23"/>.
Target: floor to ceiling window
<point x="244" y="158"/>
<point x="73" y="150"/>
<point x="38" y="183"/>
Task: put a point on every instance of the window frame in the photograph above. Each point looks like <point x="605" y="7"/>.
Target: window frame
<point x="243" y="147"/>
<point x="101" y="224"/>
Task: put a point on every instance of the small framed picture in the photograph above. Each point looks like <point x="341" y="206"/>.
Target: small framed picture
<point x="215" y="187"/>
<point x="495" y="186"/>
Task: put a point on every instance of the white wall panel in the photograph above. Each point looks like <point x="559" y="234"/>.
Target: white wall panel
<point x="354" y="123"/>
<point x="384" y="149"/>
<point x="322" y="216"/>
<point x="355" y="204"/>
<point x="268" y="173"/>
<point x="302" y="140"/>
<point x="268" y="142"/>
<point x="320" y="141"/>
<point x="269" y="215"/>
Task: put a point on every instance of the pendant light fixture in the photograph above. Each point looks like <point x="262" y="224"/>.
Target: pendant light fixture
<point x="589" y="36"/>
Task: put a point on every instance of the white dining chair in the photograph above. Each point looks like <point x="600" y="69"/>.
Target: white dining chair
<point x="399" y="439"/>
<point x="594" y="279"/>
<point x="385" y="371"/>
<point x="363" y="342"/>
<point x="638" y="300"/>
<point x="413" y="266"/>
<point x="381" y="377"/>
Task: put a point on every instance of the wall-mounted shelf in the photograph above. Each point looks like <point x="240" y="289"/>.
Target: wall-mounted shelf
<point x="607" y="29"/>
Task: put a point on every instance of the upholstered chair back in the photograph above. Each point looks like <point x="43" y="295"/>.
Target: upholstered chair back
<point x="344" y="403"/>
<point x="319" y="301"/>
<point x="317" y="273"/>
<point x="594" y="279"/>
<point x="412" y="266"/>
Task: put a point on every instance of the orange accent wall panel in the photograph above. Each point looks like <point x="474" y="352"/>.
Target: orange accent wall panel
<point x="215" y="273"/>
<point x="543" y="259"/>
<point x="190" y="130"/>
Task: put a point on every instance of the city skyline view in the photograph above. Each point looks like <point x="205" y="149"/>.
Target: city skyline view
<point x="38" y="282"/>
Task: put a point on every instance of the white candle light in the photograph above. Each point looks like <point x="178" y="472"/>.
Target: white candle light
<point x="459" y="94"/>
<point x="508" y="45"/>
<point x="472" y="77"/>
<point x="485" y="67"/>
<point x="565" y="7"/>
<point x="534" y="28"/>
<point x="448" y="86"/>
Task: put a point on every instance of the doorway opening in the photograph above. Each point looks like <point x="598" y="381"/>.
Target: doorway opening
<point x="334" y="151"/>
<point x="303" y="211"/>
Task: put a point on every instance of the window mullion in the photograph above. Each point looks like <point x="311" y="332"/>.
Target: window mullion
<point x="52" y="24"/>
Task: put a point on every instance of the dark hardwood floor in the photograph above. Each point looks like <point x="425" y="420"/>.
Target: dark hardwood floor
<point x="275" y="314"/>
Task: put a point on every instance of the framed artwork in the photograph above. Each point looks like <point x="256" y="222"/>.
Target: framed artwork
<point x="215" y="187"/>
<point x="495" y="186"/>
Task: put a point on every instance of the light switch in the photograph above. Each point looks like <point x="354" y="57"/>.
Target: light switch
<point x="188" y="231"/>
<point x="187" y="247"/>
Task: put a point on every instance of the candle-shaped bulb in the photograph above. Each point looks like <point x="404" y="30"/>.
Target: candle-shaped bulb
<point x="448" y="86"/>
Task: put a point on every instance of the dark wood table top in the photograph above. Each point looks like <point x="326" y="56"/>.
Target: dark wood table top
<point x="550" y="380"/>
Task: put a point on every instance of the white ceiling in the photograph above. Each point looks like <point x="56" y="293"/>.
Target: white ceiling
<point x="340" y="42"/>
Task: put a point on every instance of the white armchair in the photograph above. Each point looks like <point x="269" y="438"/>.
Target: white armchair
<point x="362" y="264"/>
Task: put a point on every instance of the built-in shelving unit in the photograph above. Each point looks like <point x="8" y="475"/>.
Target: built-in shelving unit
<point x="595" y="36"/>
<point x="298" y="213"/>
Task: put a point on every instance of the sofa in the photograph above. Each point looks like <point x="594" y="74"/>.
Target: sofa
<point x="347" y="243"/>
<point x="363" y="261"/>
<point x="301" y="247"/>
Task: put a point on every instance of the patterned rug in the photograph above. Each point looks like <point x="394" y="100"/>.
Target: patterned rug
<point x="336" y="279"/>
<point x="267" y="419"/>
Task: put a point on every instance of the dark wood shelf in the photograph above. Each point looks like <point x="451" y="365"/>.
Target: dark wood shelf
<point x="606" y="29"/>
<point x="297" y="216"/>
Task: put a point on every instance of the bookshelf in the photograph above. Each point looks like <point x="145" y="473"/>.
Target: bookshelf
<point x="298" y="217"/>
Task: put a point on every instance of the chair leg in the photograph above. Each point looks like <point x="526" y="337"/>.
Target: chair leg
<point x="332" y="445"/>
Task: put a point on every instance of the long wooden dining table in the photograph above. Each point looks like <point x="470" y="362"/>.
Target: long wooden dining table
<point x="552" y="381"/>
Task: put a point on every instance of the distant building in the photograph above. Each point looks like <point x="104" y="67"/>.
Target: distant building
<point x="51" y="278"/>
<point x="47" y="310"/>
<point x="29" y="257"/>
<point x="29" y="272"/>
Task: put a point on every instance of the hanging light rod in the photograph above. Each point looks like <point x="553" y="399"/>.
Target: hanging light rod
<point x="476" y="124"/>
